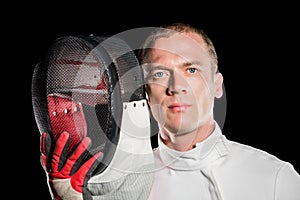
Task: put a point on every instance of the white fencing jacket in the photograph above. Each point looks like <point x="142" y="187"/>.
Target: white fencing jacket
<point x="220" y="169"/>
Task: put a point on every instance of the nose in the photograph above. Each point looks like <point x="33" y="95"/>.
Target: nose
<point x="177" y="84"/>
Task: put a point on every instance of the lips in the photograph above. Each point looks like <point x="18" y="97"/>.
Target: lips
<point x="178" y="107"/>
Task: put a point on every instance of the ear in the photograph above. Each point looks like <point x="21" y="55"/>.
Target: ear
<point x="218" y="80"/>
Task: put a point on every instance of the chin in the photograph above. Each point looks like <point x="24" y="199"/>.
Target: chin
<point x="180" y="130"/>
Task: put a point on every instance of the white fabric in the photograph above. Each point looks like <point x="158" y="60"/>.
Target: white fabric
<point x="65" y="190"/>
<point x="130" y="173"/>
<point x="134" y="149"/>
<point x="221" y="169"/>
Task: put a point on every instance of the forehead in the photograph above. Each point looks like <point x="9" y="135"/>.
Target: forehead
<point x="180" y="46"/>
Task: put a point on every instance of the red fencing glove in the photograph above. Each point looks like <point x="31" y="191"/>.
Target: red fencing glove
<point x="68" y="174"/>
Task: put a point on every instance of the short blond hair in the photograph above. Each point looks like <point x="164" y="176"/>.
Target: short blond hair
<point x="167" y="31"/>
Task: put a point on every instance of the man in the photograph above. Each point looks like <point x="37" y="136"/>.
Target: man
<point x="194" y="160"/>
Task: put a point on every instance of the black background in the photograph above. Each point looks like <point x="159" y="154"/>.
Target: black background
<point x="258" y="56"/>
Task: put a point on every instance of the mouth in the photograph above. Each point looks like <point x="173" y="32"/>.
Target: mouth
<point x="178" y="107"/>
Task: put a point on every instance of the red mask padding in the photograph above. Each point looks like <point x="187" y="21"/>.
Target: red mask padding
<point x="67" y="115"/>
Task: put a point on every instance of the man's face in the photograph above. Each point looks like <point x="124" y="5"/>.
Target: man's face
<point x="180" y="83"/>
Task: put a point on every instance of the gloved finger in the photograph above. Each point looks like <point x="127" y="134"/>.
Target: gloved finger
<point x="82" y="147"/>
<point x="59" y="151"/>
<point x="43" y="143"/>
<point x="90" y="164"/>
<point x="79" y="177"/>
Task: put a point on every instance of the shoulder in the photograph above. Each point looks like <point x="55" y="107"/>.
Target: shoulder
<point x="242" y="150"/>
<point x="252" y="159"/>
<point x="254" y="164"/>
<point x="246" y="153"/>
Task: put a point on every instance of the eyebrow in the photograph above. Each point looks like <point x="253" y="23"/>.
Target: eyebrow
<point x="187" y="64"/>
<point x="151" y="67"/>
<point x="154" y="67"/>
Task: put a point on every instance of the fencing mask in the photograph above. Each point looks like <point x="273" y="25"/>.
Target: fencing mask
<point x="93" y="86"/>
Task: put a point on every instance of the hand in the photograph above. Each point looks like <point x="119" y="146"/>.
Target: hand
<point x="68" y="174"/>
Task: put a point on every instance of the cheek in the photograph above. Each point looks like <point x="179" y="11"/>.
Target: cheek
<point x="202" y="95"/>
<point x="154" y="93"/>
<point x="202" y="85"/>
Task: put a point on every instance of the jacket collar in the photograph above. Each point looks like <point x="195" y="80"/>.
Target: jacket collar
<point x="205" y="152"/>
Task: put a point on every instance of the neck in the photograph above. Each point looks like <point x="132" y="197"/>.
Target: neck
<point x="187" y="141"/>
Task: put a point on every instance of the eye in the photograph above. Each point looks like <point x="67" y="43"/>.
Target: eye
<point x="158" y="74"/>
<point x="192" y="70"/>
